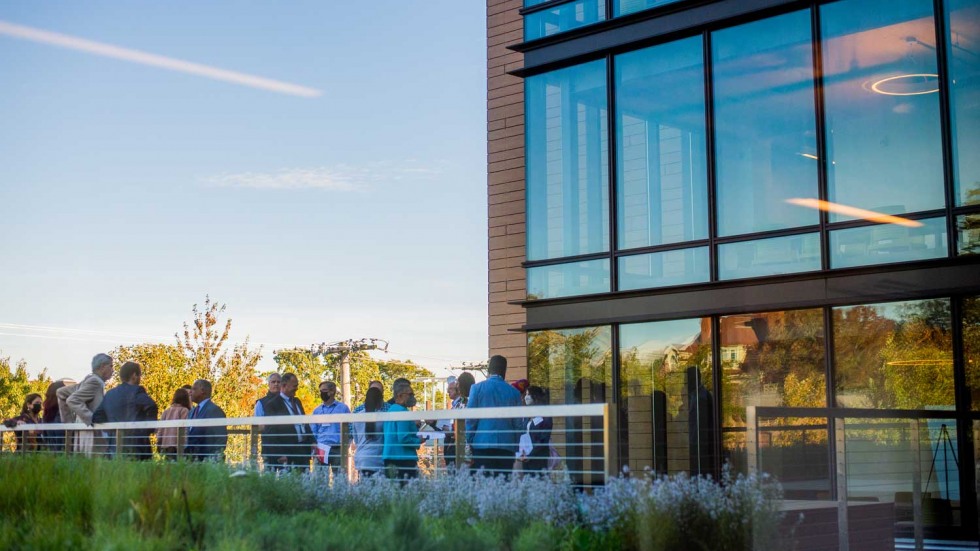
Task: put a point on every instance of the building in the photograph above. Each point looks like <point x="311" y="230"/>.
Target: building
<point x="752" y="227"/>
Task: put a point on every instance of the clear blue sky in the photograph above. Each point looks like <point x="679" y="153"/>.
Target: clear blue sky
<point x="128" y="191"/>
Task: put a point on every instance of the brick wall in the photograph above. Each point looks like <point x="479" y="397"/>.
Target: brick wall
<point x="505" y="184"/>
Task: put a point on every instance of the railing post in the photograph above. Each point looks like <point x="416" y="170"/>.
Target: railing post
<point x="916" y="486"/>
<point x="181" y="442"/>
<point x="841" y="469"/>
<point x="751" y="439"/>
<point x="459" y="433"/>
<point x="253" y="445"/>
<point x="119" y="444"/>
<point x="607" y="450"/>
<point x="69" y="441"/>
<point x="344" y="451"/>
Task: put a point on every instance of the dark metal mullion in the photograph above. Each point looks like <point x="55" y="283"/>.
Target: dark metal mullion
<point x="830" y="372"/>
<point x="683" y="245"/>
<point x="860" y="222"/>
<point x="614" y="399"/>
<point x="564" y="260"/>
<point x="800" y="230"/>
<point x="822" y="166"/>
<point x="612" y="172"/>
<point x="543" y="6"/>
<point x="964" y="425"/>
<point x="716" y="370"/>
<point x="942" y="67"/>
<point x="709" y="148"/>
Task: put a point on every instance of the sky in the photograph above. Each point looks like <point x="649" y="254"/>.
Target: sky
<point x="317" y="166"/>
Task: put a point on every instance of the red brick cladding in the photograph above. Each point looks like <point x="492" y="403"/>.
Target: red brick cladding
<point x="505" y="183"/>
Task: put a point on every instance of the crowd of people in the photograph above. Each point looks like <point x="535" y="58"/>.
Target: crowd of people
<point x="388" y="447"/>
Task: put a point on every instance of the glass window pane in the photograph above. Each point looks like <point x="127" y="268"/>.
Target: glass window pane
<point x="565" y="280"/>
<point x="776" y="359"/>
<point x="971" y="348"/>
<point x="884" y="243"/>
<point x="883" y="134"/>
<point x="882" y="456"/>
<point x="894" y="355"/>
<point x="667" y="389"/>
<point x="773" y="256"/>
<point x="661" y="162"/>
<point x="765" y="129"/>
<point x="575" y="367"/>
<point x="563" y="18"/>
<point x="968" y="228"/>
<point x="567" y="162"/>
<point x="963" y="50"/>
<point x="623" y="7"/>
<point x="680" y="267"/>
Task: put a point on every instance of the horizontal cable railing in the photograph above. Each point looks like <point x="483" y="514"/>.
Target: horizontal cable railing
<point x="559" y="440"/>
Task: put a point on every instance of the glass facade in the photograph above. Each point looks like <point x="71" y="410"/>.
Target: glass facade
<point x="881" y="92"/>
<point x="676" y="267"/>
<point x="765" y="124"/>
<point x="824" y="147"/>
<point x="567" y="166"/>
<point x="963" y="79"/>
<point x="563" y="17"/>
<point x="667" y="392"/>
<point x="661" y="176"/>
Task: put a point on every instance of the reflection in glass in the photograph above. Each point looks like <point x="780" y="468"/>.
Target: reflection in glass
<point x="765" y="124"/>
<point x="776" y="255"/>
<point x="776" y="359"/>
<point x="667" y="387"/>
<point x="565" y="280"/>
<point x="971" y="348"/>
<point x="575" y="367"/>
<point x="567" y="162"/>
<point x="623" y="7"/>
<point x="680" y="267"/>
<point x="882" y="106"/>
<point x="963" y="50"/>
<point x="882" y="456"/>
<point x="661" y="188"/>
<point x="884" y="243"/>
<point x="563" y="18"/>
<point x="968" y="238"/>
<point x="895" y="355"/>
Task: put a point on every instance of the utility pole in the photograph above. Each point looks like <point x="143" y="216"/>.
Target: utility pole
<point x="482" y="367"/>
<point x="344" y="350"/>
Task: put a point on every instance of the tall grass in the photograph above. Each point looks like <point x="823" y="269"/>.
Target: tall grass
<point x="55" y="502"/>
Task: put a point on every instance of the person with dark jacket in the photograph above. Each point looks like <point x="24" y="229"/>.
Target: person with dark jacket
<point x="50" y="413"/>
<point x="289" y="446"/>
<point x="205" y="443"/>
<point x="125" y="403"/>
<point x="30" y="414"/>
<point x="539" y="429"/>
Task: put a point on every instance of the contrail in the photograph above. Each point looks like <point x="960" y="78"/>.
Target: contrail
<point x="144" y="58"/>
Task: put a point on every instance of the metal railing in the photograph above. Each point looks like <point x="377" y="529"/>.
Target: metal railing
<point x="576" y="446"/>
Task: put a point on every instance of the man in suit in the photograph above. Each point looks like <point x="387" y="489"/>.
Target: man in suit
<point x="126" y="403"/>
<point x="205" y="443"/>
<point x="79" y="402"/>
<point x="288" y="445"/>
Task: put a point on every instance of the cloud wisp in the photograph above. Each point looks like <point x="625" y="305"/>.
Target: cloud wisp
<point x="337" y="178"/>
<point x="144" y="58"/>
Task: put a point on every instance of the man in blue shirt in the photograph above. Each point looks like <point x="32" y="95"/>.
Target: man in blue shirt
<point x="205" y="443"/>
<point x="401" y="441"/>
<point x="128" y="402"/>
<point x="494" y="441"/>
<point x="328" y="434"/>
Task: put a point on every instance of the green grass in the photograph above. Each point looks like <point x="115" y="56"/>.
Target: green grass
<point x="75" y="503"/>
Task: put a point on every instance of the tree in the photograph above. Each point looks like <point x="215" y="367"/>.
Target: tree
<point x="165" y="368"/>
<point x="203" y="341"/>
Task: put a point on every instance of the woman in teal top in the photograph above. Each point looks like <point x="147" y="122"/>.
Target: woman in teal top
<point x="401" y="442"/>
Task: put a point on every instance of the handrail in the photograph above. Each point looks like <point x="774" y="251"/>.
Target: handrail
<point x="516" y="412"/>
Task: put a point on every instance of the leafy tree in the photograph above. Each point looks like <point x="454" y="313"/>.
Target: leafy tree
<point x="165" y="368"/>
